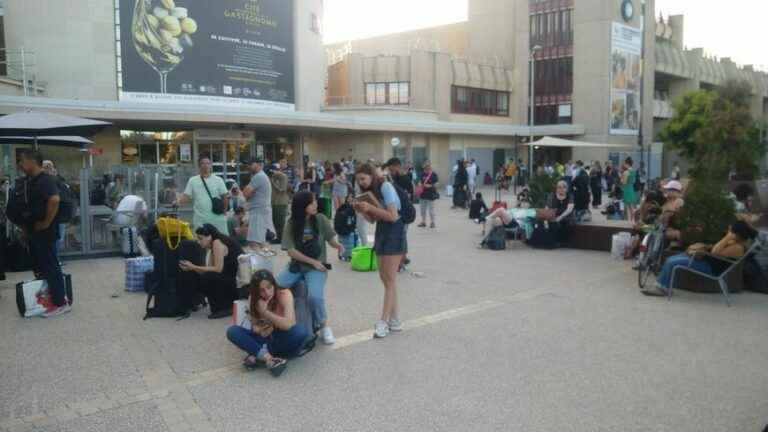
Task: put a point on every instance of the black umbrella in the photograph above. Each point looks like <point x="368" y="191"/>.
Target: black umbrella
<point x="60" y="141"/>
<point x="35" y="124"/>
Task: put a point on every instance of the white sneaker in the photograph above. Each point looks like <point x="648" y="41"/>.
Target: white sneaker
<point x="61" y="310"/>
<point x="327" y="335"/>
<point x="395" y="325"/>
<point x="381" y="330"/>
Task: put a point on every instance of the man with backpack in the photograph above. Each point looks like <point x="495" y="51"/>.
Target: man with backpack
<point x="42" y="228"/>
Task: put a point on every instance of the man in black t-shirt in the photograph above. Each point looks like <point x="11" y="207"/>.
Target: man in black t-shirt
<point x="42" y="229"/>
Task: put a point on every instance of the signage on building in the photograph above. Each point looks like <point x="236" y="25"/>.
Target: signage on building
<point x="626" y="79"/>
<point x="95" y="151"/>
<point x="237" y="53"/>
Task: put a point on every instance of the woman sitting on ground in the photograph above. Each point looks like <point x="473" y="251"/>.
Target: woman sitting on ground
<point x="275" y="335"/>
<point x="734" y="245"/>
<point x="477" y="208"/>
<point x="218" y="281"/>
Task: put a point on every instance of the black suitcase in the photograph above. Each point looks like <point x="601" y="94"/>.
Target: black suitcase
<point x="172" y="293"/>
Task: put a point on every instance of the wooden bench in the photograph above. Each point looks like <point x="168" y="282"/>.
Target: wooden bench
<point x="596" y="236"/>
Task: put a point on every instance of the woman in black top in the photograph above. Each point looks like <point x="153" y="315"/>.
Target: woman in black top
<point x="217" y="281"/>
<point x="460" y="185"/>
<point x="477" y="208"/>
<point x="563" y="205"/>
<point x="596" y="184"/>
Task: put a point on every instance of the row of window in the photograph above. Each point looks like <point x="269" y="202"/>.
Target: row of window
<point x="549" y="29"/>
<point x="552" y="114"/>
<point x="467" y="100"/>
<point x="389" y="93"/>
<point x="554" y="77"/>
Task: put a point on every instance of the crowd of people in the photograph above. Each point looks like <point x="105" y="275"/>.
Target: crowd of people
<point x="296" y="208"/>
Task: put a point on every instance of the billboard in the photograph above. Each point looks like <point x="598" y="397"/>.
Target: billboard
<point x="626" y="79"/>
<point x="237" y="53"/>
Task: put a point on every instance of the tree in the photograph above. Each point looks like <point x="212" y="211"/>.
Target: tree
<point x="716" y="133"/>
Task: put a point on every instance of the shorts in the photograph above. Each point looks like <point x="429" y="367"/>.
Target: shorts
<point x="391" y="239"/>
<point x="259" y="222"/>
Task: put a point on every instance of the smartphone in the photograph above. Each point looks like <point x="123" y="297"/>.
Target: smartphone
<point x="328" y="266"/>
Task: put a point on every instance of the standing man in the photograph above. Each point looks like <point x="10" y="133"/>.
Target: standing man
<point x="472" y="173"/>
<point x="201" y="190"/>
<point x="50" y="169"/>
<point x="280" y="198"/>
<point x="42" y="229"/>
<point x="259" y="196"/>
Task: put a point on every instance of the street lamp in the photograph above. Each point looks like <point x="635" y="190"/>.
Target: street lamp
<point x="534" y="50"/>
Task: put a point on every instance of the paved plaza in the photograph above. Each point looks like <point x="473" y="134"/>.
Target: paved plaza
<point x="518" y="340"/>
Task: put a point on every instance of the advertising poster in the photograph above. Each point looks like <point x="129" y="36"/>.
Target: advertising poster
<point x="626" y="79"/>
<point x="235" y="53"/>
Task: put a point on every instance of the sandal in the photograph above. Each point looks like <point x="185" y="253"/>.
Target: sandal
<point x="277" y="367"/>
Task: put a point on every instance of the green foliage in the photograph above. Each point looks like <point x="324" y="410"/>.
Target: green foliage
<point x="541" y="186"/>
<point x="715" y="132"/>
<point x="708" y="212"/>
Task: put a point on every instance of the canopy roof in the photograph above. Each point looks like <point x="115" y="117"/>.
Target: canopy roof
<point x="558" y="142"/>
<point x="62" y="141"/>
<point x="37" y="123"/>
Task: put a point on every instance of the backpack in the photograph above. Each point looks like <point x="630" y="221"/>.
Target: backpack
<point x="18" y="209"/>
<point x="407" y="210"/>
<point x="67" y="201"/>
<point x="345" y="220"/>
<point x="496" y="239"/>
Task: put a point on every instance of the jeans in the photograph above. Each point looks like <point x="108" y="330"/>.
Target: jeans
<point x="315" y="281"/>
<point x="42" y="247"/>
<point x="427" y="206"/>
<point x="283" y="343"/>
<point x="682" y="260"/>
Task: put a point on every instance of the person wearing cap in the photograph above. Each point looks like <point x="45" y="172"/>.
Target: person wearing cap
<point x="673" y="202"/>
<point x="259" y="196"/>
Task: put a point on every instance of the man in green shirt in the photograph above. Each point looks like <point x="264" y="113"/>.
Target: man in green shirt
<point x="202" y="200"/>
<point x="280" y="198"/>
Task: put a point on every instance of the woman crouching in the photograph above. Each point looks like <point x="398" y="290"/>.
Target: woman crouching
<point x="275" y="336"/>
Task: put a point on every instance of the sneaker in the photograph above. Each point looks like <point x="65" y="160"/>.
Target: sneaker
<point x="61" y="310"/>
<point x="327" y="335"/>
<point x="422" y="225"/>
<point x="432" y="225"/>
<point x="381" y="330"/>
<point x="656" y="291"/>
<point x="395" y="325"/>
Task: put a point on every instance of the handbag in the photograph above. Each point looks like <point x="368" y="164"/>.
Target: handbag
<point x="172" y="231"/>
<point x="217" y="204"/>
<point x="364" y="259"/>
<point x="136" y="270"/>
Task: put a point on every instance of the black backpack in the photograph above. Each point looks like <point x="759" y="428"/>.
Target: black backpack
<point x="496" y="239"/>
<point x="67" y="201"/>
<point x="407" y="210"/>
<point x="18" y="210"/>
<point x="345" y="220"/>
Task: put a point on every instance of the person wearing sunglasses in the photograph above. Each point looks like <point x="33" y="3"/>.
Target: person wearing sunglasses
<point x="275" y="335"/>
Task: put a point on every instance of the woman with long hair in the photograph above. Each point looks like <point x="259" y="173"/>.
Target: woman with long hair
<point x="217" y="281"/>
<point x="628" y="189"/>
<point x="304" y="237"/>
<point x="390" y="242"/>
<point x="275" y="335"/>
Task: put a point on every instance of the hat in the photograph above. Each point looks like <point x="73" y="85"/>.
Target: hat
<point x="674" y="185"/>
<point x="393" y="161"/>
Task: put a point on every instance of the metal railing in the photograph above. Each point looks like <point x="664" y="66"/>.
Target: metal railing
<point x="20" y="65"/>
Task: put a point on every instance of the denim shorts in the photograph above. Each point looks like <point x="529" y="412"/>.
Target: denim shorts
<point x="391" y="238"/>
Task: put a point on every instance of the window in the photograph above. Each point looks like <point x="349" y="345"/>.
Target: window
<point x="153" y="148"/>
<point x="394" y="93"/>
<point x="466" y="100"/>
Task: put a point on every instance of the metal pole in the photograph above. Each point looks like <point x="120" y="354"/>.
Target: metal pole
<point x="640" y="140"/>
<point x="531" y="121"/>
<point x="24" y="77"/>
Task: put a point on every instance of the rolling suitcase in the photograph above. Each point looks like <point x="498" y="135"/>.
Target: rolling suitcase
<point x="498" y="203"/>
<point x="33" y="298"/>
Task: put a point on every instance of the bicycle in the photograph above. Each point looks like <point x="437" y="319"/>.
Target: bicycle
<point x="651" y="254"/>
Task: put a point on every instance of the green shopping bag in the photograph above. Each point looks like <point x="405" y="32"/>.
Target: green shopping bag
<point x="364" y="259"/>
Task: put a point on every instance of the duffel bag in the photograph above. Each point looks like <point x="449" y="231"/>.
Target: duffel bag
<point x="364" y="259"/>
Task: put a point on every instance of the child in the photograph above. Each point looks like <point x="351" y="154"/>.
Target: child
<point x="477" y="209"/>
<point x="345" y="224"/>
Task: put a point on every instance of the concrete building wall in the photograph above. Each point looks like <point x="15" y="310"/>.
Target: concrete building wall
<point x="451" y="38"/>
<point x="309" y="58"/>
<point x="73" y="43"/>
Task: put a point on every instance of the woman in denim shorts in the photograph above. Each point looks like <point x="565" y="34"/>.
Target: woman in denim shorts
<point x="390" y="243"/>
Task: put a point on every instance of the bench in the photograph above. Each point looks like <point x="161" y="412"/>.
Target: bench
<point x="596" y="236"/>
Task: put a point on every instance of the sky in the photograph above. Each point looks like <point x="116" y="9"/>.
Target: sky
<point x="735" y="29"/>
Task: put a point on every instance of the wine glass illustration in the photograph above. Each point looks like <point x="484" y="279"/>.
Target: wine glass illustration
<point x="161" y="33"/>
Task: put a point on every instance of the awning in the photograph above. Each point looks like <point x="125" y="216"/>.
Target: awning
<point x="557" y="142"/>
